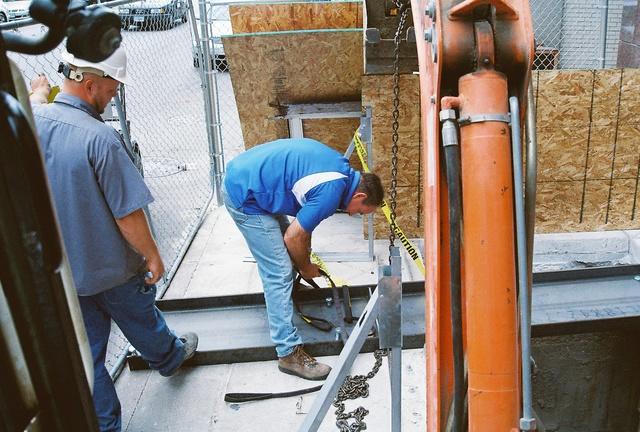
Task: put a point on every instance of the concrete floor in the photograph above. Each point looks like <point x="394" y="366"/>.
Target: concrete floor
<point x="219" y="263"/>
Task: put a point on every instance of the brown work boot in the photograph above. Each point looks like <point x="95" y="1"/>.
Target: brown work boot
<point x="301" y="364"/>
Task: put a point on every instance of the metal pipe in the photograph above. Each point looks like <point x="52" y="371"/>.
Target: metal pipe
<point x="603" y="32"/>
<point x="527" y="422"/>
<point x="215" y="151"/>
<point x="531" y="178"/>
<point x="369" y="143"/>
<point x="116" y="370"/>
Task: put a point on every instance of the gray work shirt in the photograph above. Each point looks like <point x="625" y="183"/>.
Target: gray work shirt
<point x="93" y="181"/>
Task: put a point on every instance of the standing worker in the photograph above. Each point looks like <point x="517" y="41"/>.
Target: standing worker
<point x="99" y="197"/>
<point x="297" y="177"/>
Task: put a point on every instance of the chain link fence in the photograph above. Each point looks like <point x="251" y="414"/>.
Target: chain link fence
<point x="576" y="34"/>
<point x="161" y="114"/>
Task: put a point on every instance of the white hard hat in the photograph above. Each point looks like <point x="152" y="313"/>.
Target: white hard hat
<point x="115" y="66"/>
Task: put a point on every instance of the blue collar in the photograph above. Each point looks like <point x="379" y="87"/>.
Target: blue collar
<point x="346" y="198"/>
<point x="76" y="102"/>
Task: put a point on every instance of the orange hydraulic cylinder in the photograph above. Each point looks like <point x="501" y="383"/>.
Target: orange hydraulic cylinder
<point x="488" y="250"/>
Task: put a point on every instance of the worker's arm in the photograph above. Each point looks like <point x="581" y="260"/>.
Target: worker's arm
<point x="135" y="229"/>
<point x="298" y="243"/>
<point x="40" y="89"/>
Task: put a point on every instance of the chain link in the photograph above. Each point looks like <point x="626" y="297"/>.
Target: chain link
<point x="355" y="387"/>
<point x="404" y="10"/>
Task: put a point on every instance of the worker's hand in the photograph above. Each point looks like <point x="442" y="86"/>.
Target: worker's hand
<point x="155" y="270"/>
<point x="310" y="271"/>
<point x="40" y="89"/>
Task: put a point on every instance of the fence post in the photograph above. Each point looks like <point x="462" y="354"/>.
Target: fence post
<point x="604" y="18"/>
<point x="215" y="145"/>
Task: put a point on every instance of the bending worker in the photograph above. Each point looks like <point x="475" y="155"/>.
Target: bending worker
<point x="302" y="178"/>
<point x="99" y="197"/>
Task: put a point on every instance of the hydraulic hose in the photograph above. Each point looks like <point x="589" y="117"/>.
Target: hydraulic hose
<point x="452" y="163"/>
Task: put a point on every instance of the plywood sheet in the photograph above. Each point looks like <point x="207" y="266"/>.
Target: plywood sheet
<point x="562" y="153"/>
<point x="336" y="133"/>
<point x="564" y="97"/>
<point x="409" y="215"/>
<point x="601" y="197"/>
<point x="594" y="211"/>
<point x="558" y="206"/>
<point x="627" y="151"/>
<point x="621" y="204"/>
<point x="606" y="97"/>
<point x="377" y="92"/>
<point x="601" y="148"/>
<point x="269" y="69"/>
<point x="270" y="17"/>
<point x="630" y="97"/>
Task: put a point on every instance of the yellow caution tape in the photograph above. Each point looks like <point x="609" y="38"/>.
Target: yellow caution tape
<point x="318" y="261"/>
<point x="413" y="251"/>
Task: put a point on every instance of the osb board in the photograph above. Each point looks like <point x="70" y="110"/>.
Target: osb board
<point x="336" y="133"/>
<point x="269" y="69"/>
<point x="409" y="215"/>
<point x="377" y="92"/>
<point x="630" y="97"/>
<point x="557" y="160"/>
<point x="595" y="205"/>
<point x="588" y="154"/>
<point x="564" y="97"/>
<point x="270" y="17"/>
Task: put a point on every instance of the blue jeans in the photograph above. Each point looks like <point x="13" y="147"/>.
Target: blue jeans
<point x="264" y="236"/>
<point x="132" y="307"/>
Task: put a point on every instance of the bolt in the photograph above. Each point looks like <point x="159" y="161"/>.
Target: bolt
<point x="527" y="424"/>
<point x="432" y="99"/>
<point x="430" y="10"/>
<point x="328" y="301"/>
<point x="485" y="61"/>
<point x="428" y="35"/>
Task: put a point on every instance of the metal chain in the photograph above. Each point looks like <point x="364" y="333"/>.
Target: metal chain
<point x="355" y="387"/>
<point x="404" y="10"/>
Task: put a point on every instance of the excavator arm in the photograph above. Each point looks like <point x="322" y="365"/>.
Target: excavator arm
<point x="472" y="56"/>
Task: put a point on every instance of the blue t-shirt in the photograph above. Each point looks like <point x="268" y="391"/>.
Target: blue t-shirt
<point x="298" y="177"/>
<point x="93" y="181"/>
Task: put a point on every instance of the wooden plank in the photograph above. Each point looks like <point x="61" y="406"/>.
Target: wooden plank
<point x="275" y="17"/>
<point x="268" y="69"/>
